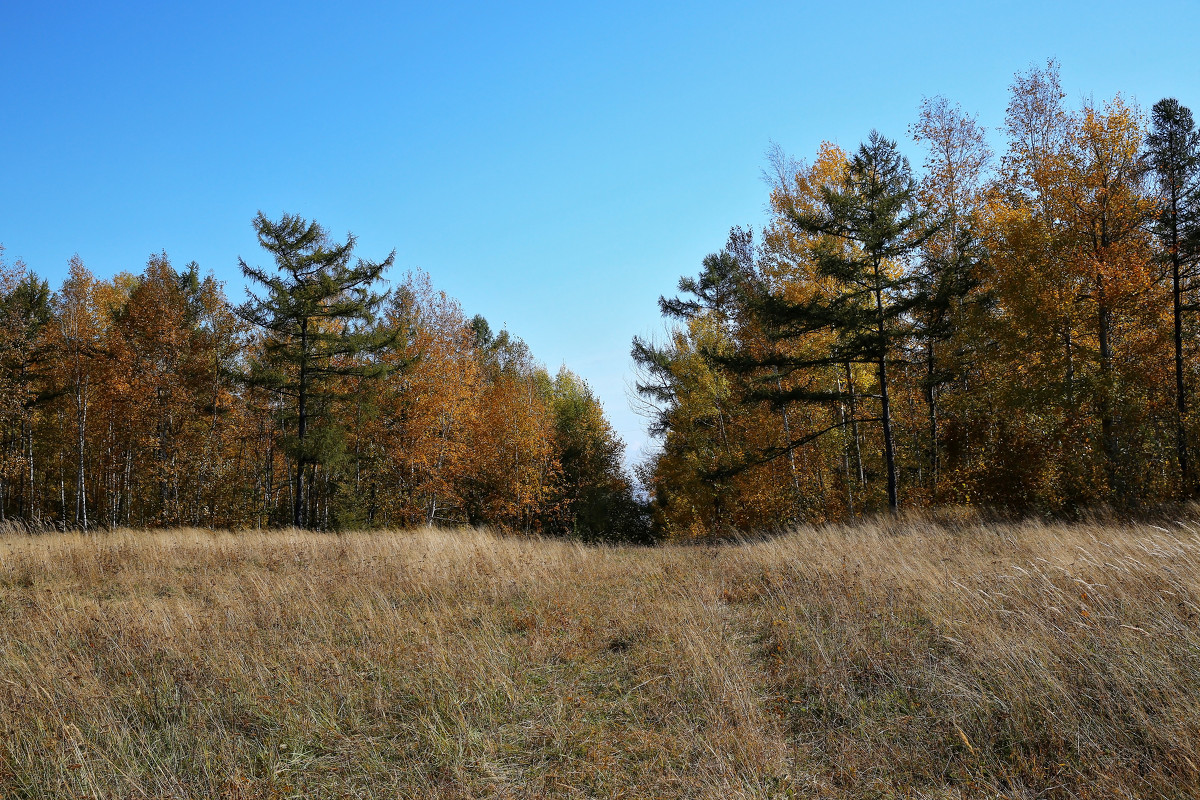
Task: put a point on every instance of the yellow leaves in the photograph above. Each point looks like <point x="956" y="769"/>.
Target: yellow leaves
<point x="1053" y="356"/>
<point x="464" y="437"/>
<point x="1067" y="226"/>
<point x="957" y="156"/>
<point x="801" y="191"/>
<point x="10" y="274"/>
<point x="788" y="262"/>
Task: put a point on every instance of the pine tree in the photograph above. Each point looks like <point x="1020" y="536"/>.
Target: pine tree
<point x="316" y="322"/>
<point x="1173" y="151"/>
<point x="682" y="385"/>
<point x="866" y="229"/>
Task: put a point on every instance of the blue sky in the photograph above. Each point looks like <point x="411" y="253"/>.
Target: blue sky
<point x="554" y="166"/>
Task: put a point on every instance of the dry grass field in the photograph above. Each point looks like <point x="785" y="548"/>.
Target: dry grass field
<point x="903" y="659"/>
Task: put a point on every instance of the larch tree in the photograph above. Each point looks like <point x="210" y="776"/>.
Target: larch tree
<point x="426" y="411"/>
<point x="316" y="320"/>
<point x="1173" y="153"/>
<point x="866" y="230"/>
<point x="951" y="189"/>
<point x="162" y="360"/>
<point x="1029" y="397"/>
<point x="686" y="391"/>
<point x="514" y="464"/>
<point x="1100" y="194"/>
<point x="1036" y="124"/>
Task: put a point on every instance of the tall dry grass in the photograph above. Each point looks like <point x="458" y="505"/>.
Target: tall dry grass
<point x="888" y="660"/>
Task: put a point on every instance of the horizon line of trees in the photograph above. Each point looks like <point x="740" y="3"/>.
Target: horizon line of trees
<point x="321" y="402"/>
<point x="1016" y="333"/>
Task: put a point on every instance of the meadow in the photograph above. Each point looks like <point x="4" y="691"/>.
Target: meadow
<point x="896" y="658"/>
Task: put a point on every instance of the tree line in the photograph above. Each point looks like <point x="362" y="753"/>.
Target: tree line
<point x="322" y="401"/>
<point x="1015" y="332"/>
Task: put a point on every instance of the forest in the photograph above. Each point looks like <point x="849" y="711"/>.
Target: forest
<point x="1013" y="332"/>
<point x="322" y="402"/>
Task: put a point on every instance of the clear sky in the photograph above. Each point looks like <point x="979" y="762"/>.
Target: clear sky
<point x="554" y="166"/>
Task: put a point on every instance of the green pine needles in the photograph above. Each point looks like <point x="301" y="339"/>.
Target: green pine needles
<point x="317" y="326"/>
<point x="866" y="230"/>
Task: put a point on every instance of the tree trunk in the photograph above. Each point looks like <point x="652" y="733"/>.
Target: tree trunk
<point x="1107" y="425"/>
<point x="80" y="482"/>
<point x="889" y="453"/>
<point x="1070" y="377"/>
<point x="1185" y="476"/>
<point x="846" y="456"/>
<point x="34" y="510"/>
<point x="787" y="433"/>
<point x="301" y="428"/>
<point x="931" y="401"/>
<point x="858" y="462"/>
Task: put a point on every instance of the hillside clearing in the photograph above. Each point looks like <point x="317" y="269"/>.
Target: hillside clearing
<point x="886" y="660"/>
